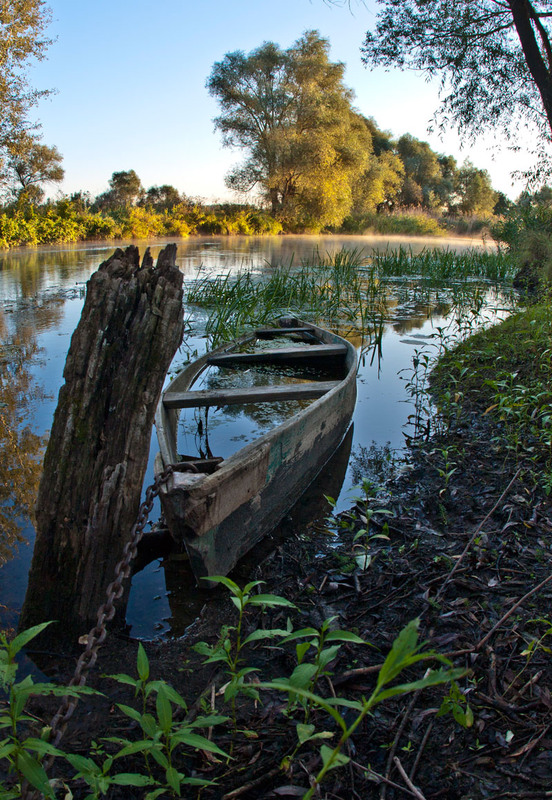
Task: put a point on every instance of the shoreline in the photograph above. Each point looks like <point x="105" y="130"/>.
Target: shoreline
<point x="468" y="542"/>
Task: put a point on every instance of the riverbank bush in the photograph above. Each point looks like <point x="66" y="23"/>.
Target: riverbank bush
<point x="400" y="224"/>
<point x="65" y="222"/>
<point x="527" y="232"/>
<point x="71" y="221"/>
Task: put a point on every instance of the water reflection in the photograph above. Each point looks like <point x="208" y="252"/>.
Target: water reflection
<point x="20" y="447"/>
<point x="41" y="295"/>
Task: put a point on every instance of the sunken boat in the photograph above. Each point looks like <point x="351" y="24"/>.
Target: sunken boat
<point x="219" y="508"/>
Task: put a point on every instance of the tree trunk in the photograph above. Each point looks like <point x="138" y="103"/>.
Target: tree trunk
<point x="130" y="328"/>
<point x="525" y="16"/>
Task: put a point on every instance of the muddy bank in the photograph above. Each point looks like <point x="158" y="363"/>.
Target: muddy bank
<point x="469" y="541"/>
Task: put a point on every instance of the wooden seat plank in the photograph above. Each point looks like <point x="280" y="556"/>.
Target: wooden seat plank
<point x="269" y="332"/>
<point x="308" y="353"/>
<point x="253" y="394"/>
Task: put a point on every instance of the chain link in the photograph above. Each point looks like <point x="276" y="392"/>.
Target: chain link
<point x="96" y="637"/>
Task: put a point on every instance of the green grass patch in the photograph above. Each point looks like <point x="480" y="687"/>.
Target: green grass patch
<point x="506" y="372"/>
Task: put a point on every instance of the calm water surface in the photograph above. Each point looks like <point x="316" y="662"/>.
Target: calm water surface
<point x="41" y="297"/>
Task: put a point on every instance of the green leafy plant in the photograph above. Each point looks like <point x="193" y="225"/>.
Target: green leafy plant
<point x="228" y="649"/>
<point x="455" y="703"/>
<point x="162" y="735"/>
<point x="324" y="645"/>
<point x="406" y="652"/>
<point x="23" y="751"/>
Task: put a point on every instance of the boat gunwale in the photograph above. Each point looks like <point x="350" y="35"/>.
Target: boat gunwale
<point x="203" y="483"/>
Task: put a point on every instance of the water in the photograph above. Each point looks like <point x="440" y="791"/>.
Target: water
<point x="41" y="297"/>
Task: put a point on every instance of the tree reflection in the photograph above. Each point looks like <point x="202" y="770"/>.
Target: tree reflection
<point x="20" y="448"/>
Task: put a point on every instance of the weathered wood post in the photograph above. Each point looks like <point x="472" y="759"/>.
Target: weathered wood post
<point x="130" y="328"/>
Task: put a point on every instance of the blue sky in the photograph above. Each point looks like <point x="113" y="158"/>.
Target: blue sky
<point x="130" y="79"/>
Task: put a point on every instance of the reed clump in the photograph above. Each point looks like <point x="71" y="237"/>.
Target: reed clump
<point x="347" y="288"/>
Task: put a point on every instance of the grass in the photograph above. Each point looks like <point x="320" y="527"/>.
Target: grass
<point x="507" y="371"/>
<point x="349" y="287"/>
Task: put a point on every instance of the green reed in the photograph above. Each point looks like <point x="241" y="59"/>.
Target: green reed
<point x="333" y="288"/>
<point x="445" y="265"/>
<point x="346" y="287"/>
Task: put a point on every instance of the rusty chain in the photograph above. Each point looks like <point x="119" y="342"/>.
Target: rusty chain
<point x="96" y="637"/>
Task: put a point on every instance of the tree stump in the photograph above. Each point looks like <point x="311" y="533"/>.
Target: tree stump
<point x="130" y="328"/>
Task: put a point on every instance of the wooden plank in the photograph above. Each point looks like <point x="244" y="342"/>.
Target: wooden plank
<point x="308" y="353"/>
<point x="269" y="332"/>
<point x="254" y="394"/>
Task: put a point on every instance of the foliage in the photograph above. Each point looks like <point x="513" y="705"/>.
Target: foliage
<point x="163" y="736"/>
<point x="24" y="753"/>
<point x="400" y="224"/>
<point x="508" y="368"/>
<point x="125" y="189"/>
<point x="527" y="230"/>
<point x="29" y="165"/>
<point x="473" y="186"/>
<point x="22" y="26"/>
<point x="326" y="643"/>
<point x="162" y="198"/>
<point x="405" y="652"/>
<point x="422" y="171"/>
<point x="493" y="59"/>
<point x="291" y="112"/>
<point x="229" y="650"/>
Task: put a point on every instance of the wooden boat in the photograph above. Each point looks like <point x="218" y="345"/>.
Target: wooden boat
<point x="220" y="508"/>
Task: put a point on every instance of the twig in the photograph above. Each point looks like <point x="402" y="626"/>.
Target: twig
<point x="252" y="784"/>
<point x="379" y="778"/>
<point x="474" y="535"/>
<point x="414" y="789"/>
<point x="509" y="613"/>
<point x="421" y="749"/>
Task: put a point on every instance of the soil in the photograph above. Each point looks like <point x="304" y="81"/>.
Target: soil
<point x="465" y="554"/>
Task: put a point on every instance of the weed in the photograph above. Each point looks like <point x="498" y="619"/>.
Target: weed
<point x="405" y="652"/>
<point x="228" y="649"/>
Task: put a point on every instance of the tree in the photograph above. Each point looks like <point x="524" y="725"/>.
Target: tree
<point x="291" y="111"/>
<point x="29" y="165"/>
<point x="125" y="190"/>
<point x="162" y="198"/>
<point x="22" y="26"/>
<point x="493" y="57"/>
<point x="422" y="168"/>
<point x="475" y="191"/>
<point x="380" y="184"/>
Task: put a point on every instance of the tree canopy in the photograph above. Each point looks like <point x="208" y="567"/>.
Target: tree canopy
<point x="28" y="166"/>
<point x="493" y="57"/>
<point x="125" y="190"/>
<point x="293" y="114"/>
<point x="22" y="39"/>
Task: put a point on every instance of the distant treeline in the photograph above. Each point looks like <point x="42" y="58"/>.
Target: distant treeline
<point x="423" y="194"/>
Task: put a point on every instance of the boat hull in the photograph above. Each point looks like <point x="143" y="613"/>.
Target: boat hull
<point x="220" y="517"/>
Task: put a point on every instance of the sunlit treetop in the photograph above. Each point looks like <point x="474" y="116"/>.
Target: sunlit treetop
<point x="292" y="114"/>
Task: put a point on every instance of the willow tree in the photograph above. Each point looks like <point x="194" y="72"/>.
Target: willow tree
<point x="493" y="58"/>
<point x="293" y="115"/>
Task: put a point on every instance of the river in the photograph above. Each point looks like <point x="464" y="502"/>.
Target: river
<point x="41" y="296"/>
